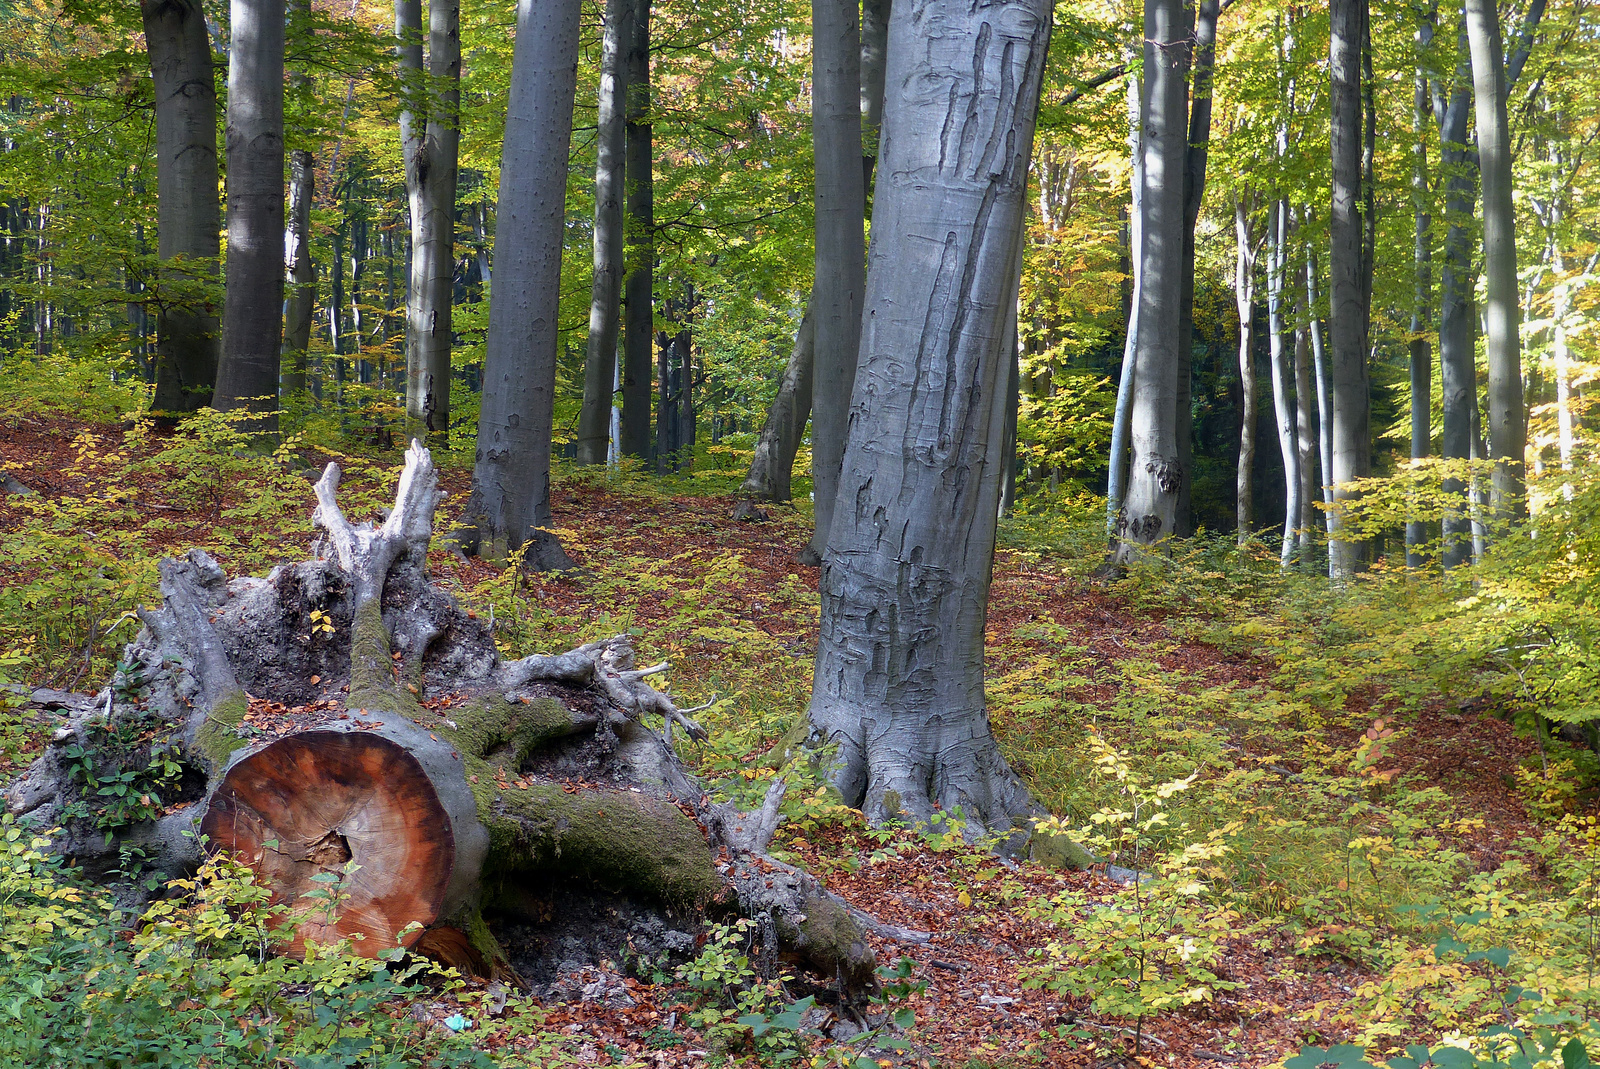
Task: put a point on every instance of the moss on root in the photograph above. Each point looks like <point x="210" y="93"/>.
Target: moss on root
<point x="490" y="725"/>
<point x="616" y="839"/>
<point x="1059" y="852"/>
<point x="218" y="737"/>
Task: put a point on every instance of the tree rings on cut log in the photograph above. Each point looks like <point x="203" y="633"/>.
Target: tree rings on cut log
<point x="311" y="803"/>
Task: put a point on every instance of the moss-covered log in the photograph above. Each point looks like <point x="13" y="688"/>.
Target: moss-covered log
<point x="343" y="717"/>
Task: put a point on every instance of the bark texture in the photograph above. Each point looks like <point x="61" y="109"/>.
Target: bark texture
<point x="1277" y="344"/>
<point x="252" y="328"/>
<point x="1420" y="347"/>
<point x="509" y="510"/>
<point x="458" y="783"/>
<point x="430" y="139"/>
<point x="899" y="676"/>
<point x="188" y="212"/>
<point x="300" y="304"/>
<point x="1117" y="476"/>
<point x="1244" y="297"/>
<point x="1508" y="430"/>
<point x="600" y="361"/>
<point x="773" y="464"/>
<point x="836" y="294"/>
<point x="1348" y="371"/>
<point x="639" y="243"/>
<point x="1156" y="475"/>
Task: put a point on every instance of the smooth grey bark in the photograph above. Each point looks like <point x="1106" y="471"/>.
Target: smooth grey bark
<point x="1508" y="431"/>
<point x="1244" y="299"/>
<point x="252" y="325"/>
<point x="188" y="212"/>
<point x="1156" y="474"/>
<point x="836" y="293"/>
<point x="905" y="583"/>
<point x="301" y="273"/>
<point x="874" y="57"/>
<point x="1421" y="349"/>
<point x="1008" y="441"/>
<point x="1194" y="188"/>
<point x="1304" y="432"/>
<point x="510" y="505"/>
<point x="639" y="227"/>
<point x="430" y="139"/>
<point x="599" y="364"/>
<point x="1324" y="392"/>
<point x="772" y="466"/>
<point x="1282" y="405"/>
<point x="1117" y="476"/>
<point x="1457" y="370"/>
<point x="1348" y="366"/>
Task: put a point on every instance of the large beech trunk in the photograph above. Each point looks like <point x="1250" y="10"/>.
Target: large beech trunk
<point x="189" y="215"/>
<point x="399" y="741"/>
<point x="905" y="583"/>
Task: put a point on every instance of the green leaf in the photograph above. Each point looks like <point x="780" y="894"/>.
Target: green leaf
<point x="1575" y="1055"/>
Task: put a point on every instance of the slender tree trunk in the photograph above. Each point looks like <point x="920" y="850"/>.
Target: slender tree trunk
<point x="639" y="240"/>
<point x="840" y="245"/>
<point x="1282" y="406"/>
<point x="1457" y="373"/>
<point x="1324" y="388"/>
<point x="186" y="187"/>
<point x="599" y="365"/>
<point x="1304" y="432"/>
<point x="252" y="328"/>
<point x="874" y="57"/>
<point x="1244" y="297"/>
<point x="510" y="505"/>
<point x="899" y="673"/>
<point x="1351" y="405"/>
<point x="300" y="308"/>
<point x="1421" y="355"/>
<point x="773" y="463"/>
<point x="1117" y="477"/>
<point x="1008" y="441"/>
<point x="431" y="145"/>
<point x="1508" y="432"/>
<point x="1151" y="508"/>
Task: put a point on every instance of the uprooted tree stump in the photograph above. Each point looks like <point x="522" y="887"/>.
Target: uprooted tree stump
<point x="345" y="710"/>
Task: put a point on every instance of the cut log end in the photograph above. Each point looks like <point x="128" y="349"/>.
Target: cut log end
<point x="309" y="805"/>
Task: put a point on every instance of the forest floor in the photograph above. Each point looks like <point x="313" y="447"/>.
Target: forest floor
<point x="727" y="603"/>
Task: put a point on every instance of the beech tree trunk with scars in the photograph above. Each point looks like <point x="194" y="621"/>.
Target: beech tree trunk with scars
<point x="430" y="140"/>
<point x="252" y="326"/>
<point x="188" y="214"/>
<point x="638" y="335"/>
<point x="899" y="673"/>
<point x="1508" y="431"/>
<point x="393" y="736"/>
<point x="1351" y="406"/>
<point x="1156" y="475"/>
<point x="836" y="293"/>
<point x="600" y="361"/>
<point x="509" y="510"/>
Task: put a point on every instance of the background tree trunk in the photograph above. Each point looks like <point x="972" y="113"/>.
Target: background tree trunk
<point x="1351" y="404"/>
<point x="1282" y="407"/>
<point x="1508" y="432"/>
<point x="1304" y="429"/>
<point x="840" y="246"/>
<point x="1324" y="390"/>
<point x="772" y="466"/>
<point x="1117" y="476"/>
<point x="1421" y="349"/>
<point x="1244" y="298"/>
<point x="252" y="328"/>
<point x="899" y="674"/>
<point x="510" y="504"/>
<point x="639" y="228"/>
<point x="1156" y="477"/>
<point x="874" y="58"/>
<point x="599" y="365"/>
<point x="189" y="217"/>
<point x="431" y="146"/>
<point x="300" y="307"/>
<point x="1457" y="371"/>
